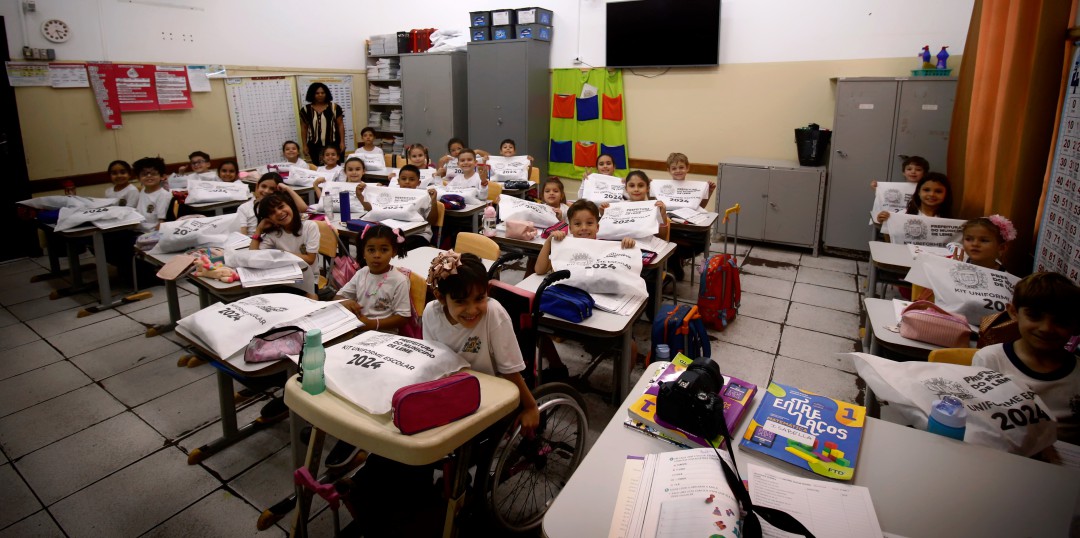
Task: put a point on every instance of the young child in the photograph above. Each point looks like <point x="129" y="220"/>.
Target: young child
<point x="280" y="227"/>
<point x="933" y="198"/>
<point x="985" y="240"/>
<point x="368" y="147"/>
<point x="637" y="190"/>
<point x="229" y="171"/>
<point x="508" y="148"/>
<point x="153" y="201"/>
<point x="291" y="151"/>
<point x="678" y="166"/>
<point x="353" y="173"/>
<point x="416" y="155"/>
<point x="378" y="294"/>
<point x="198" y="162"/>
<point x="1044" y="307"/>
<point x="914" y="168"/>
<point x="122" y="189"/>
<point x="471" y="176"/>
<point x="554" y="195"/>
<point x="605" y="164"/>
<point x="454" y="147"/>
<point x="269" y="183"/>
<point x="330" y="171"/>
<point x="410" y="179"/>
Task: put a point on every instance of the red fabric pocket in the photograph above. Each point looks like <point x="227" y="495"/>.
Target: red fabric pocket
<point x="562" y="106"/>
<point x="613" y="108"/>
<point x="585" y="153"/>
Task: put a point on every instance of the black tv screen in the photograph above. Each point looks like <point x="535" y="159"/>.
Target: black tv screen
<point x="663" y="33"/>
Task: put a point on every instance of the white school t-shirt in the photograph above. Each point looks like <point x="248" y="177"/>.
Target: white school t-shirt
<point x="1059" y="390"/>
<point x="337" y="174"/>
<point x="374" y="151"/>
<point x="379" y="296"/>
<point x="493" y="335"/>
<point x="306" y="243"/>
<point x="128" y="196"/>
<point x="245" y="216"/>
<point x="472" y="181"/>
<point x="154" y="206"/>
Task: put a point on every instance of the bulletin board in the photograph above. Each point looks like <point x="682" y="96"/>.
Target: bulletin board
<point x="1058" y="246"/>
<point x="341" y="88"/>
<point x="263" y="113"/>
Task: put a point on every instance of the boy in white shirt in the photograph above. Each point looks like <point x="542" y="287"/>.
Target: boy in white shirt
<point x="1044" y="307"/>
<point x="153" y="201"/>
<point x="367" y="146"/>
<point x="471" y="175"/>
<point x="409" y="178"/>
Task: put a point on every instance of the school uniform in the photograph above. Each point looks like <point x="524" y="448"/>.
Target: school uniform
<point x="127" y="196"/>
<point x="491" y="347"/>
<point x="245" y="216"/>
<point x="468" y="182"/>
<point x="331" y="175"/>
<point x="376" y="150"/>
<point x="379" y="296"/>
<point x="154" y="206"/>
<point x="305" y="243"/>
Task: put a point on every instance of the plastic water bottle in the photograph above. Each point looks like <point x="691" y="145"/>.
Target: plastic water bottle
<point x="314" y="358"/>
<point x="663" y="352"/>
<point x="948" y="417"/>
<point x="489" y="221"/>
<point x="327" y="205"/>
<point x="346" y="211"/>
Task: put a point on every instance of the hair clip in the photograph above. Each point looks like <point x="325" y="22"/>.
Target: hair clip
<point x="1005" y="226"/>
<point x="400" y="238"/>
<point x="444" y="265"/>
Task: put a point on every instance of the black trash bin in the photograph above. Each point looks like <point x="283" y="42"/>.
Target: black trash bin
<point x="812" y="144"/>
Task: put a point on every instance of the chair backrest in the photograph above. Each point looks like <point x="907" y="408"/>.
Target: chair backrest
<point x="418" y="293"/>
<point x="953" y="355"/>
<point x="534" y="174"/>
<point x="328" y="242"/>
<point x="440" y="213"/>
<point x="494" y="190"/>
<point x="477" y="244"/>
<point x="389" y="159"/>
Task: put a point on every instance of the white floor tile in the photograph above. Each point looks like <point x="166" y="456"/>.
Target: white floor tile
<point x="27" y="357"/>
<point x="55" y="419"/>
<point x="123" y="355"/>
<point x="36" y="386"/>
<point x="829" y="263"/>
<point x="752" y="333"/>
<point x="43" y="307"/>
<point x="13" y="267"/>
<point x="829" y="279"/>
<point x="218" y="514"/>
<point x="818" y="348"/>
<point x="816" y="378"/>
<point x="152" y="379"/>
<point x="823" y="320"/>
<point x="763" y="307"/>
<point x="135" y="499"/>
<point x="64" y="467"/>
<point x="768" y="268"/>
<point x="744" y="363"/>
<point x="101" y="334"/>
<point x="271" y="481"/>
<point x="16" y="498"/>
<point x="183" y="410"/>
<point x="864" y="268"/>
<point x="67" y="320"/>
<point x="39" y="525"/>
<point x="28" y="291"/>
<point x="159" y="314"/>
<point x="762" y="252"/>
<point x="16" y="335"/>
<point x="845" y="301"/>
<point x="771" y="287"/>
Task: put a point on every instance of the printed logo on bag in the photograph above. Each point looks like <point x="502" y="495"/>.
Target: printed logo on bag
<point x="916" y="230"/>
<point x="966" y="275"/>
<point x="893" y="196"/>
<point x="581" y="258"/>
<point x="264" y="304"/>
<point x="614" y="212"/>
<point x="668" y="189"/>
<point x="944" y="387"/>
<point x="383" y="198"/>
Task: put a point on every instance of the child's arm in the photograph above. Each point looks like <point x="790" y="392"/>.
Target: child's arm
<point x="391" y="323"/>
<point x="318" y="189"/>
<point x="705" y="200"/>
<point x="529" y="418"/>
<point x="543" y="260"/>
<point x="432" y="217"/>
<point x="482" y="172"/>
<point x="665" y="228"/>
<point x="883" y="216"/>
<point x="360" y="196"/>
<point x="301" y="205"/>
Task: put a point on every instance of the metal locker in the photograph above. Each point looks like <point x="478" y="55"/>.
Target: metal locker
<point x="923" y="119"/>
<point x="747" y="186"/>
<point x="434" y="98"/>
<point x="792" y="211"/>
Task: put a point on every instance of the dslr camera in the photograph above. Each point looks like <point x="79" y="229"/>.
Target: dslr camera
<point x="692" y="401"/>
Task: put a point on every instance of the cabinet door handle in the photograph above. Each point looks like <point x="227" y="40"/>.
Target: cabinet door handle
<point x="764" y="195"/>
<point x="429" y="131"/>
<point x="841" y="153"/>
<point x="772" y="205"/>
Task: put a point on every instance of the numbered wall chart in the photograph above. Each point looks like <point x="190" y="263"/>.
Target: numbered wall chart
<point x="341" y="89"/>
<point x="263" y="114"/>
<point x="1058" y="247"/>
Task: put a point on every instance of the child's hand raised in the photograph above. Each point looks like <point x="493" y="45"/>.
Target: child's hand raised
<point x="883" y="216"/>
<point x="558" y="235"/>
<point x="360" y="190"/>
<point x="873" y="184"/>
<point x="661" y="206"/>
<point x="432" y="193"/>
<point x="628" y="242"/>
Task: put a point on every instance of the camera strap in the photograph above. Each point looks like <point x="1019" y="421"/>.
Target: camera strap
<point x="751" y="524"/>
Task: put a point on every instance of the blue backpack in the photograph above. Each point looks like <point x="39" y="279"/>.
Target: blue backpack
<point x="681" y="328"/>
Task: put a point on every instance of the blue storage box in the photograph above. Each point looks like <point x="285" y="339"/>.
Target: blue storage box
<point x="533" y="31"/>
<point x="479" y="18"/>
<point x="480" y="33"/>
<point x="535" y="15"/>
<point x="500" y="33"/>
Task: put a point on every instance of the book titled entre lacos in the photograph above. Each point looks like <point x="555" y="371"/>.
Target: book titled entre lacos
<point x="807" y="430"/>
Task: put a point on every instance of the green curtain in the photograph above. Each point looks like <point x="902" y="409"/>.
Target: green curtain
<point x="581" y="129"/>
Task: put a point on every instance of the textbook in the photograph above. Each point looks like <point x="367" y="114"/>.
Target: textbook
<point x="807" y="430"/>
<point x="736" y="394"/>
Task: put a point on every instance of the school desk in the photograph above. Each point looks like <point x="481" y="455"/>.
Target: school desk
<point x="216" y="208"/>
<point x="921" y="484"/>
<point x="471" y="214"/>
<point x="600" y="325"/>
<point x="412" y="228"/>
<point x="704" y="229"/>
<point x="517" y="193"/>
<point x="97" y="235"/>
<point x="892" y="259"/>
<point x="418" y="260"/>
<point x="329" y="414"/>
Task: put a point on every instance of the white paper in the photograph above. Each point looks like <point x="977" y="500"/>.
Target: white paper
<point x="1069" y="454"/>
<point x="197" y="78"/>
<point x="333" y="320"/>
<point x="826" y="509"/>
<point x="628" y="494"/>
<point x="915" y="250"/>
<point x="250" y="277"/>
<point x="68" y="76"/>
<point x="27" y="73"/>
<point x="675" y="500"/>
<point x="588" y="90"/>
<point x="613" y="303"/>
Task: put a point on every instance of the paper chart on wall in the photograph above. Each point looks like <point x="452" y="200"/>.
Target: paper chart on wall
<point x="68" y="75"/>
<point x="263" y="114"/>
<point x="198" y="78"/>
<point x="341" y="88"/>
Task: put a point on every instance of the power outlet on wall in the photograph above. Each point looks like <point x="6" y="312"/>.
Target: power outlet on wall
<point x="31" y="53"/>
<point x="177" y="36"/>
<point x="30" y="6"/>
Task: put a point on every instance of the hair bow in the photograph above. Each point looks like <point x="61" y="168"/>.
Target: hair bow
<point x="444" y="265"/>
<point x="1005" y="226"/>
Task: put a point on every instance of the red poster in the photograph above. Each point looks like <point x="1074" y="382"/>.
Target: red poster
<point x="172" y="87"/>
<point x="135" y="87"/>
<point x="103" y="81"/>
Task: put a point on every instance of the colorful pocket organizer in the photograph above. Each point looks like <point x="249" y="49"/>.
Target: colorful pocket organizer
<point x="585" y="153"/>
<point x="588" y="108"/>
<point x="613" y="108"/>
<point x="618" y="154"/>
<point x="562" y="106"/>
<point x="562" y="151"/>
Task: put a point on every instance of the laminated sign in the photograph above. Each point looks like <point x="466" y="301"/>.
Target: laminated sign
<point x="370" y="368"/>
<point x="541" y="215"/>
<point x="184" y="234"/>
<point x="630" y="219"/>
<point x="676" y="194"/>
<point x="904" y="229"/>
<point x="509" y="168"/>
<point x="892" y="197"/>
<point x="216" y="191"/>
<point x="227" y="328"/>
<point x="301" y="177"/>
<point x="397" y="204"/>
<point x="962" y="288"/>
<point x="602" y="188"/>
<point x="599" y="266"/>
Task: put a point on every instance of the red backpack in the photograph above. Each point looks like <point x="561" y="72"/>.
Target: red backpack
<point x="721" y="291"/>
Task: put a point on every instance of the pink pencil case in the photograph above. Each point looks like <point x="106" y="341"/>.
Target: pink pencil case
<point x="927" y="322"/>
<point x="431" y="404"/>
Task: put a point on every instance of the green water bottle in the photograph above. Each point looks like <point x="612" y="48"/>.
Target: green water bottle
<point x="314" y="358"/>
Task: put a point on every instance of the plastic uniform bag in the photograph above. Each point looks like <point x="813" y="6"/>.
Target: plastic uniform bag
<point x="369" y="369"/>
<point x="1003" y="413"/>
<point x="676" y="194"/>
<point x="335" y="189"/>
<point x="630" y="219"/>
<point x="301" y="177"/>
<point x="372" y="162"/>
<point x="509" y="168"/>
<point x="398" y="204"/>
<point x="602" y="188"/>
<point x="216" y="191"/>
<point x="74" y="217"/>
<point x="187" y="233"/>
<point x="452" y="168"/>
<point x="227" y="328"/>
<point x="542" y="215"/>
<point x="904" y="229"/>
<point x="599" y="266"/>
<point x="892" y="197"/>
<point x="57" y="202"/>
<point x="962" y="288"/>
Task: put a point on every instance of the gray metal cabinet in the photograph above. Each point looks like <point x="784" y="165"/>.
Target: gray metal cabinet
<point x="435" y="98"/>
<point x="878" y="123"/>
<point x="781" y="201"/>
<point x="510" y="96"/>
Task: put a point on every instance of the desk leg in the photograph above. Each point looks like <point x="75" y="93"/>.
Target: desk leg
<point x="622" y="370"/>
<point x="459" y="477"/>
<point x="174" y="310"/>
<point x="303" y="495"/>
<point x="864" y="318"/>
<point x="875" y="345"/>
<point x="226" y="404"/>
<point x="204" y="298"/>
<point x="659" y="290"/>
<point x="52" y="246"/>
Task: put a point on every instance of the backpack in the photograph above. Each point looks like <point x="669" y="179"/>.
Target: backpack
<point x="681" y="328"/>
<point x="721" y="291"/>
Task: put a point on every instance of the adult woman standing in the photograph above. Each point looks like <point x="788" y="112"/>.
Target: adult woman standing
<point x="322" y="123"/>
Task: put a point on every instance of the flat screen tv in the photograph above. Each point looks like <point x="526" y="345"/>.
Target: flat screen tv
<point x="663" y="33"/>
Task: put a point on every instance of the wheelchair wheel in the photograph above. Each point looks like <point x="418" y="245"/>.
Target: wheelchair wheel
<point x="525" y="475"/>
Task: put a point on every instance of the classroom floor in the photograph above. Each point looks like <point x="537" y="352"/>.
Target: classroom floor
<point x="96" y="420"/>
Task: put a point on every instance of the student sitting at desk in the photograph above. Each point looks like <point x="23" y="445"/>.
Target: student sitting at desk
<point x="280" y="227"/>
<point x="454" y="148"/>
<point x="291" y="151"/>
<point x="269" y="183"/>
<point x="417" y="155"/>
<point x="554" y="194"/>
<point x="121" y="189"/>
<point x="153" y="204"/>
<point x="353" y="173"/>
<point x="367" y="144"/>
<point x="1044" y="307"/>
<point x="377" y="294"/>
<point x="471" y="176"/>
<point x="933" y="198"/>
<point x="229" y="171"/>
<point x="678" y="166"/>
<point x="605" y="164"/>
<point x="330" y="171"/>
<point x="198" y="162"/>
<point x="410" y="179"/>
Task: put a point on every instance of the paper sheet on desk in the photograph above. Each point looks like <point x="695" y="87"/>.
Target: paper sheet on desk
<point x="827" y="509"/>
<point x="613" y="303"/>
<point x="333" y="320"/>
<point x="628" y="494"/>
<point x="250" y="277"/>
<point x="690" y="215"/>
